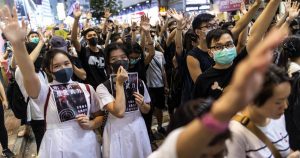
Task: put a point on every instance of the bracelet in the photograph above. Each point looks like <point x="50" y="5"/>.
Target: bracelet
<point x="213" y="124"/>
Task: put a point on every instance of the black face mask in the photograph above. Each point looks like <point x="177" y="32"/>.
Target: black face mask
<point x="115" y="65"/>
<point x="93" y="41"/>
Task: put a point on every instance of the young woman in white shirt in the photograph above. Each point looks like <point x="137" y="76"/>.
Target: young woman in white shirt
<point x="125" y="133"/>
<point x="71" y="109"/>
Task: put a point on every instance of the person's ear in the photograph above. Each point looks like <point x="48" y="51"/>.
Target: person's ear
<point x="210" y="53"/>
<point x="198" y="32"/>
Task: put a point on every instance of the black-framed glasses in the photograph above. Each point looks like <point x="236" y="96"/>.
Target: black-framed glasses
<point x="209" y="26"/>
<point x="221" y="47"/>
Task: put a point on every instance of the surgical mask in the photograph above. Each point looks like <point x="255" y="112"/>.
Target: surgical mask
<point x="63" y="75"/>
<point x="93" y="41"/>
<point x="134" y="61"/>
<point x="206" y="32"/>
<point x="225" y="56"/>
<point x="116" y="65"/>
<point x="35" y="40"/>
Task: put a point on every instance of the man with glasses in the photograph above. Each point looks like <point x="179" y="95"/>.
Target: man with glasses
<point x="221" y="47"/>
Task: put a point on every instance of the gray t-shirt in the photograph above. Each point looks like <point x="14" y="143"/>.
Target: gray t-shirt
<point x="155" y="71"/>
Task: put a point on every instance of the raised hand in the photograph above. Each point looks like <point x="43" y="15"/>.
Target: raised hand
<point x="243" y="8"/>
<point x="10" y="27"/>
<point x="107" y="13"/>
<point x="89" y="15"/>
<point x="122" y="75"/>
<point x="293" y="11"/>
<point x="145" y="23"/>
<point x="177" y="16"/>
<point x="77" y="12"/>
<point x="248" y="77"/>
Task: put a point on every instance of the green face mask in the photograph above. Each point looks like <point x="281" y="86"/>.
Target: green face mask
<point x="225" y="56"/>
<point x="35" y="40"/>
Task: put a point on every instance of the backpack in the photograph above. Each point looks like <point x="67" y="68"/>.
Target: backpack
<point x="108" y="86"/>
<point x="16" y="100"/>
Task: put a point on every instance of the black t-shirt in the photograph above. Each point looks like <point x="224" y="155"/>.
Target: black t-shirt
<point x="212" y="82"/>
<point x="77" y="63"/>
<point x="94" y="65"/>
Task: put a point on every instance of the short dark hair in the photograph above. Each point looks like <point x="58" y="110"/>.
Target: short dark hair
<point x="32" y="32"/>
<point x="85" y="32"/>
<point x="216" y="35"/>
<point x="273" y="77"/>
<point x="201" y="18"/>
<point x="111" y="47"/>
<point x="189" y="37"/>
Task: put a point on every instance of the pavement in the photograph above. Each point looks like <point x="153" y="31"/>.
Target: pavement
<point x="15" y="143"/>
<point x="25" y="147"/>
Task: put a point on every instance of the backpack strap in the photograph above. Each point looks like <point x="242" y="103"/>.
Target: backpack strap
<point x="246" y="122"/>
<point x="89" y="90"/>
<point x="46" y="106"/>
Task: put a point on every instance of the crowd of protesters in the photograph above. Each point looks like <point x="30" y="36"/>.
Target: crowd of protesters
<point x="231" y="88"/>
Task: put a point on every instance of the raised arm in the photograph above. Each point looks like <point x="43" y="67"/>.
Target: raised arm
<point x="244" y="21"/>
<point x="117" y="108"/>
<point x="262" y="24"/>
<point x="17" y="36"/>
<point x="246" y="83"/>
<point x="180" y="26"/>
<point x="293" y="13"/>
<point x="37" y="50"/>
<point x="74" y="33"/>
<point x="145" y="26"/>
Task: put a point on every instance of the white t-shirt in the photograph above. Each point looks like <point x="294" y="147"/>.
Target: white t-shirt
<point x="244" y="143"/>
<point x="33" y="110"/>
<point x="294" y="67"/>
<point x="106" y="97"/>
<point x="127" y="136"/>
<point x="168" y="148"/>
<point x="154" y="71"/>
<point x="64" y="137"/>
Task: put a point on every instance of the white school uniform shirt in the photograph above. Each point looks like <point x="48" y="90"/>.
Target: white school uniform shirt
<point x="125" y="137"/>
<point x="168" y="148"/>
<point x="33" y="110"/>
<point x="244" y="143"/>
<point x="67" y="139"/>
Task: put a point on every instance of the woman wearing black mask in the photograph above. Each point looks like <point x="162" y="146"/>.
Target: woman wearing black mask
<point x="67" y="105"/>
<point x="125" y="132"/>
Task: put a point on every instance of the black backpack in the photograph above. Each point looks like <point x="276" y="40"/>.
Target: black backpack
<point x="16" y="100"/>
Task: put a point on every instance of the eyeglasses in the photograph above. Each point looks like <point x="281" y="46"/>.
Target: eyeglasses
<point x="221" y="47"/>
<point x="209" y="26"/>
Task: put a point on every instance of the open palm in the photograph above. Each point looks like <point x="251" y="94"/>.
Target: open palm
<point x="10" y="26"/>
<point x="145" y="23"/>
<point x="294" y="11"/>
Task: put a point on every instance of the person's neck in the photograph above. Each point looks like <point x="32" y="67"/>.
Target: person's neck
<point x="94" y="48"/>
<point x="221" y="66"/>
<point x="257" y="118"/>
<point x="202" y="45"/>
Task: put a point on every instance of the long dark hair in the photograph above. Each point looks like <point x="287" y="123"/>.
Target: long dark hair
<point x="273" y="77"/>
<point x="107" y="51"/>
<point x="48" y="58"/>
<point x="290" y="49"/>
